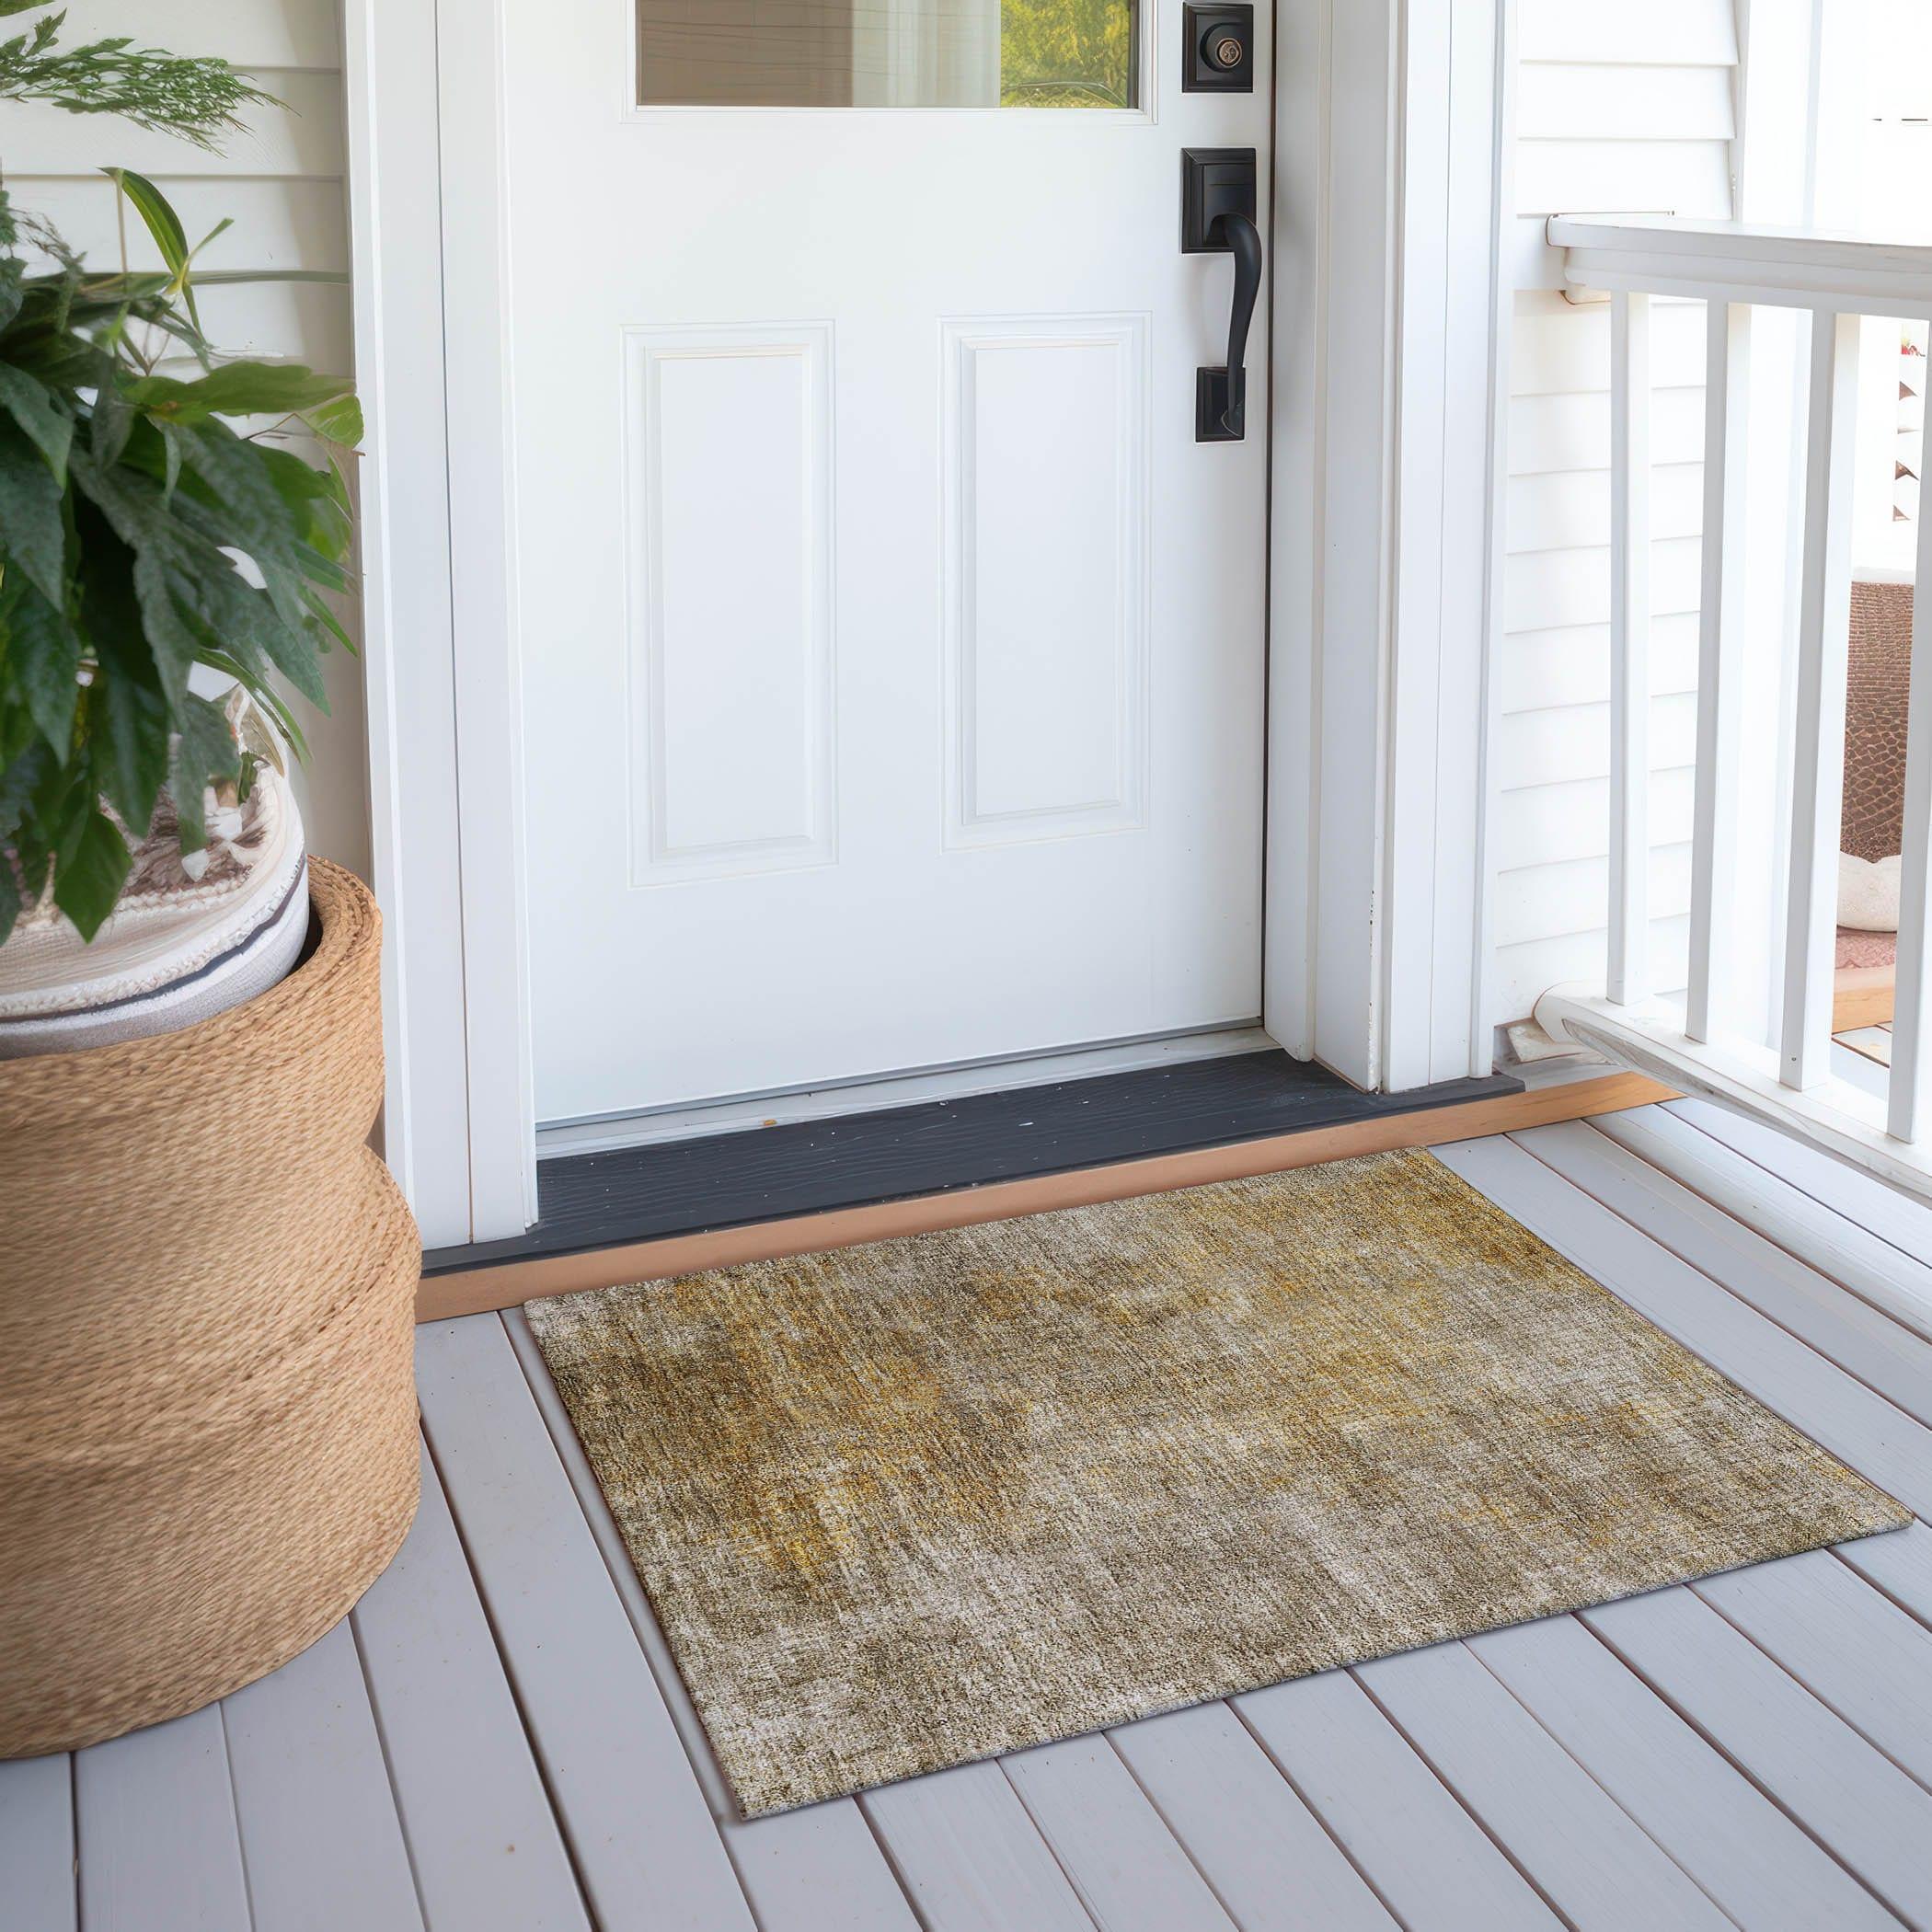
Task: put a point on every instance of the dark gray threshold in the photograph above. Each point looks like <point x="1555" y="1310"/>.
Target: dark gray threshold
<point x="603" y="1200"/>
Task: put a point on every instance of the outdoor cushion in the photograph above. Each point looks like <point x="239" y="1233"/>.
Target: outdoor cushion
<point x="1868" y="892"/>
<point x="190" y="938"/>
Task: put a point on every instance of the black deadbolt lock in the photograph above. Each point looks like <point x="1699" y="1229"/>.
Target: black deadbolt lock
<point x="1220" y="42"/>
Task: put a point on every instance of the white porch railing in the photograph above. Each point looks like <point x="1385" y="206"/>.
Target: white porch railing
<point x="1691" y="1047"/>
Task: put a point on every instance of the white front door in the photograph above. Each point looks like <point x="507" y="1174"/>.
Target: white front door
<point x="892" y="651"/>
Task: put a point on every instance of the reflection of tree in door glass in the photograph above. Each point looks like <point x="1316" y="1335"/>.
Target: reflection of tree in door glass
<point x="1066" y="53"/>
<point x="885" y="53"/>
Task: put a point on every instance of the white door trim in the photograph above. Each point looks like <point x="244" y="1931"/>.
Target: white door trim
<point x="1386" y="359"/>
<point x="1394" y="127"/>
<point x="459" y="1125"/>
<point x="482" y="483"/>
<point x="1451" y="396"/>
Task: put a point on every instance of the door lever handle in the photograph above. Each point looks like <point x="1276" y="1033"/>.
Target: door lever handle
<point x="1217" y="216"/>
<point x="1243" y="243"/>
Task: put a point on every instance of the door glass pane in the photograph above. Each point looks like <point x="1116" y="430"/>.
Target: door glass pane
<point x="887" y="54"/>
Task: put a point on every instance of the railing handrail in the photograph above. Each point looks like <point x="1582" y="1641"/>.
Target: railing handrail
<point x="1664" y="255"/>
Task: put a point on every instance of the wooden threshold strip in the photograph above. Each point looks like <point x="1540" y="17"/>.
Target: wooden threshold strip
<point x="477" y="1290"/>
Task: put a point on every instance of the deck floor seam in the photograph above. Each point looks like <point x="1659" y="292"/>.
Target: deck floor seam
<point x="1773" y="1182"/>
<point x="1917" y="1342"/>
<point x="514" y="1335"/>
<point x="566" y="1835"/>
<point x="241" y="1840"/>
<point x="1554" y="1738"/>
<point x="1743" y="1770"/>
<point x="1823" y="1702"/>
<point x="1897" y="1603"/>
<point x="1675" y="1107"/>
<point x="1525" y="1140"/>
<point x="1315" y="1811"/>
<point x="1174" y="1832"/>
<point x="1469" y="1811"/>
<point x="383" y="1745"/>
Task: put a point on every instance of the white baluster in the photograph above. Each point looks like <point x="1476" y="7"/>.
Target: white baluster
<point x="1818" y="769"/>
<point x="1627" y="971"/>
<point x="1727" y="387"/>
<point x="1909" y="1099"/>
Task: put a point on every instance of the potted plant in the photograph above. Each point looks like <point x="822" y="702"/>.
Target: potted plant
<point x="207" y="1413"/>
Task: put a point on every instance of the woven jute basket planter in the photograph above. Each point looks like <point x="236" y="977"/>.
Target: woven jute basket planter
<point x="208" y="1443"/>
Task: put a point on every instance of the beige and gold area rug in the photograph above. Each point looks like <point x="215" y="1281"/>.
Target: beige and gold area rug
<point x="901" y="1506"/>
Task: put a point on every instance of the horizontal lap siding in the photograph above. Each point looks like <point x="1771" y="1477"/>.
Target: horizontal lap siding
<point x="281" y="181"/>
<point x="1620" y="108"/>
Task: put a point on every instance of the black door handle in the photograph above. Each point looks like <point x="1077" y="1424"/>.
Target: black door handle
<point x="1217" y="216"/>
<point x="1243" y="243"/>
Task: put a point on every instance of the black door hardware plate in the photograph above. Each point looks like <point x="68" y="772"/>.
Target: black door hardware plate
<point x="1214" y="181"/>
<point x="1218" y="198"/>
<point x="1220" y="49"/>
<point x="1219" y="406"/>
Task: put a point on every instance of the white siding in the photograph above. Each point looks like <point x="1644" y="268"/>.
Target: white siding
<point x="281" y="179"/>
<point x="1618" y="108"/>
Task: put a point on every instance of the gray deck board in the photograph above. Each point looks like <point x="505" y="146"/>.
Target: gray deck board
<point x="1851" y="1798"/>
<point x="972" y="1859"/>
<point x="483" y="1843"/>
<point x="37" y="1841"/>
<point x="1405" y="1830"/>
<point x="1755" y="1861"/>
<point x="1901" y="1566"/>
<point x="1860" y="1198"/>
<point x="1880" y="1350"/>
<point x="309" y="1779"/>
<point x="1266" y="1854"/>
<point x="1874" y="1043"/>
<point x="1854" y="1648"/>
<point x="500" y="1736"/>
<point x="1861" y="1070"/>
<point x="1128" y="1868"/>
<point x="819" y="1870"/>
<point x="643" y="1839"/>
<point x="155" y="1819"/>
<point x="1583" y="1852"/>
<point x="1768" y="1203"/>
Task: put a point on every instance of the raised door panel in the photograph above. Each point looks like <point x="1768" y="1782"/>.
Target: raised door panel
<point x="731" y="767"/>
<point x="1046" y="577"/>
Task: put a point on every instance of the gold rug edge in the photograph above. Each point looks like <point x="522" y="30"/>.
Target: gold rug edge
<point x="1903" y="1519"/>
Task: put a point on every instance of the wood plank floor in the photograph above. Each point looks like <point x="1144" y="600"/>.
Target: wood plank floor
<point x="497" y="1738"/>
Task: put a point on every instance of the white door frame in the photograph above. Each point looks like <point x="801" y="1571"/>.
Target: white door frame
<point x="1391" y="147"/>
